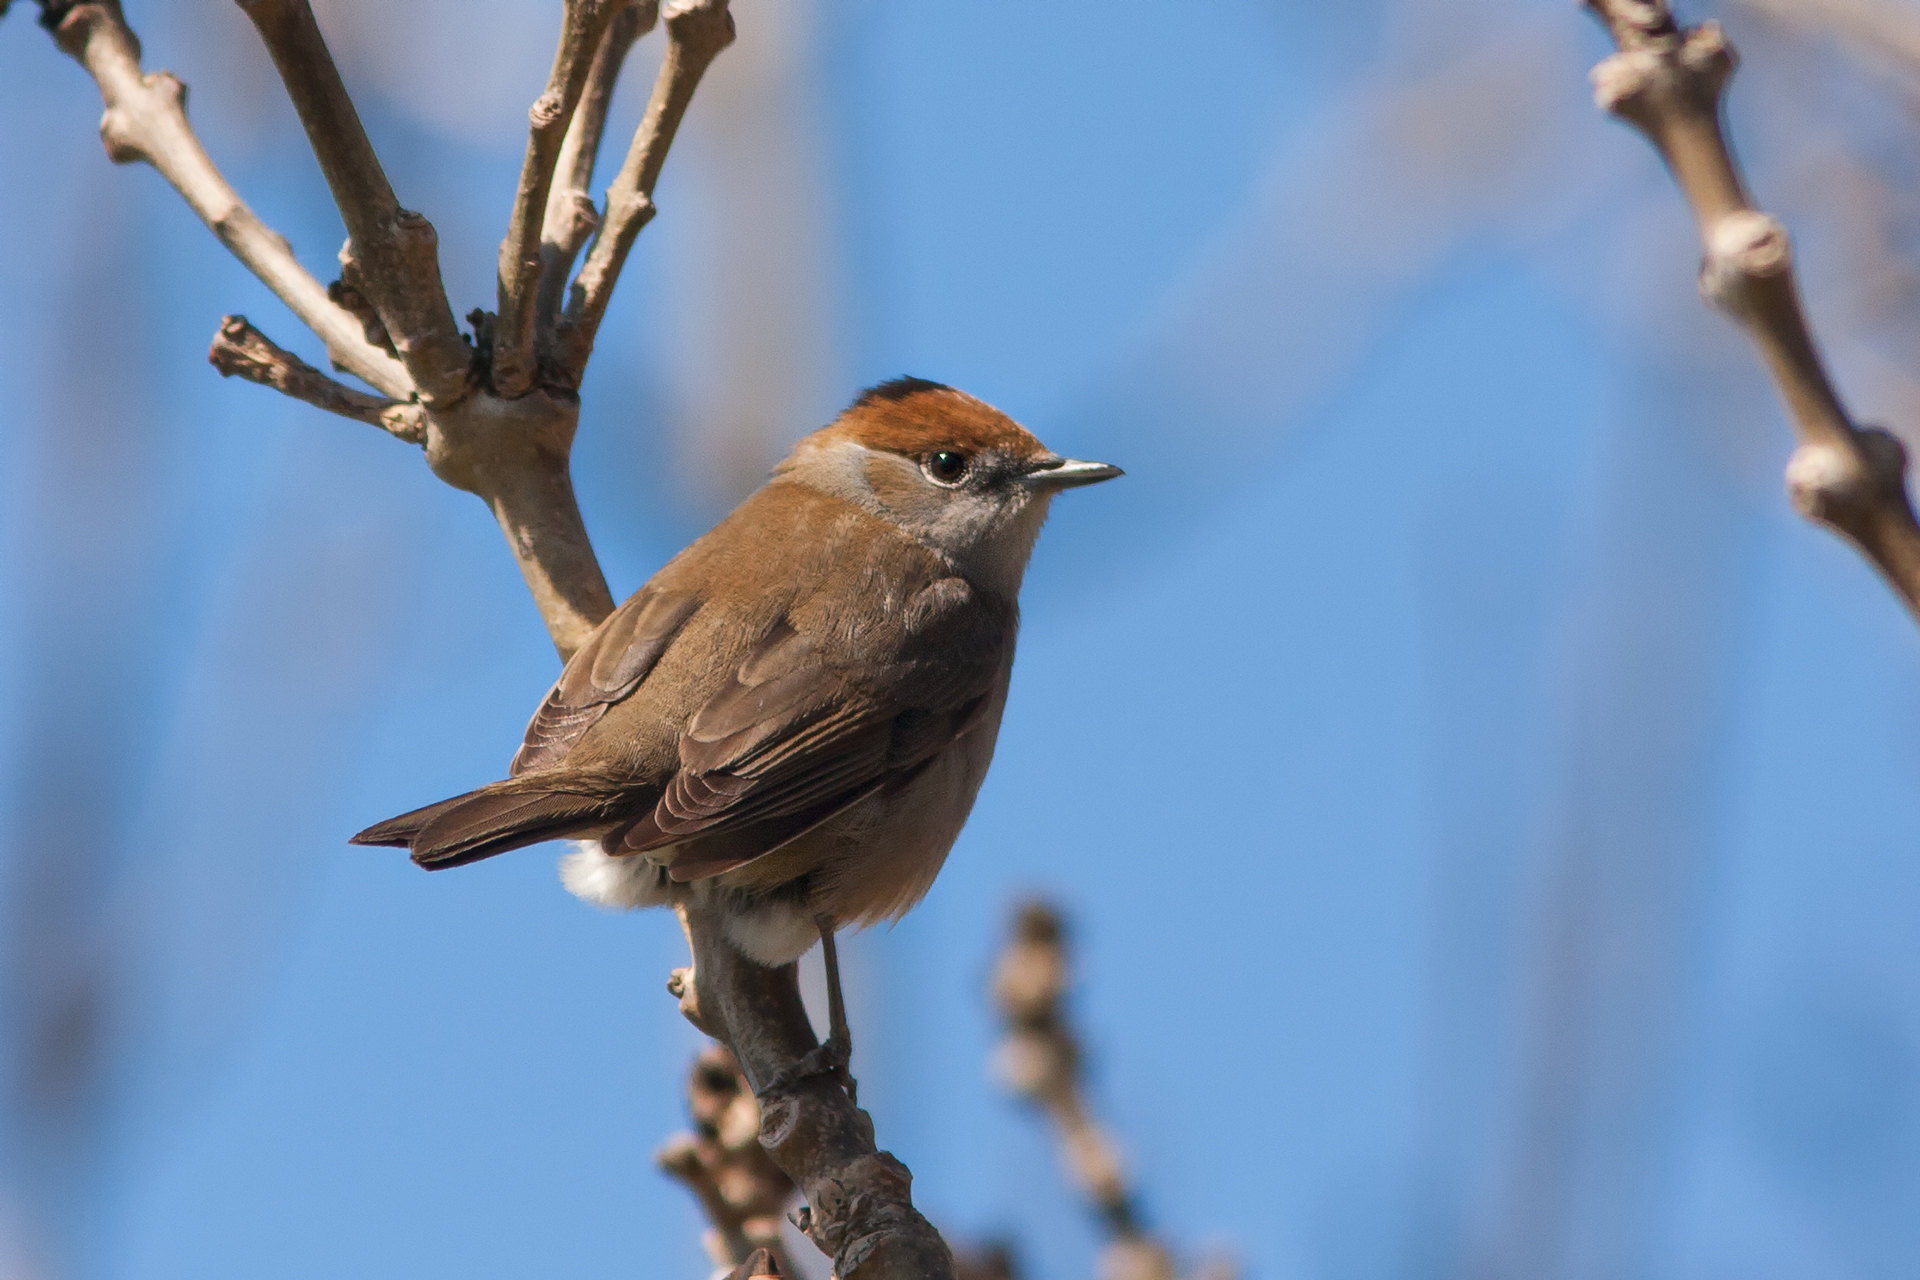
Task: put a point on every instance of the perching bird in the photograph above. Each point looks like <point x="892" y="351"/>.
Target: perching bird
<point x="793" y="717"/>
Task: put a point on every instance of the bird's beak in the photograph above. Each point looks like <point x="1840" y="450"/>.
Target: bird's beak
<point x="1068" y="473"/>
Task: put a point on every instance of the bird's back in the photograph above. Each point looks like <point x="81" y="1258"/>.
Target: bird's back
<point x="769" y="565"/>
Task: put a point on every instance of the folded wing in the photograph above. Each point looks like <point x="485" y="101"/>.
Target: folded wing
<point x="609" y="667"/>
<point x="804" y="729"/>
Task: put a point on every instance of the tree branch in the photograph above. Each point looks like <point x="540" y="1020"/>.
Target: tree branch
<point x="242" y="350"/>
<point x="722" y="1162"/>
<point x="1669" y="83"/>
<point x="581" y="29"/>
<point x="1040" y="1059"/>
<point x="697" y="30"/>
<point x="146" y="119"/>
<point x="860" y="1207"/>
<point x="571" y="216"/>
<point x="515" y="455"/>
<point x="397" y="248"/>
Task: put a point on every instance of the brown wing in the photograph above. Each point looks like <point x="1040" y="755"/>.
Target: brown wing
<point x="607" y="668"/>
<point x="802" y="731"/>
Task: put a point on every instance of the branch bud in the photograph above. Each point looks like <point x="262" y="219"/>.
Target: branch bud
<point x="1744" y="249"/>
<point x="1637" y="84"/>
<point x="1831" y="483"/>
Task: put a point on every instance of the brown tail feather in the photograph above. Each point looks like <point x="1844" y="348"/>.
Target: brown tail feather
<point x="400" y="831"/>
<point x="482" y="823"/>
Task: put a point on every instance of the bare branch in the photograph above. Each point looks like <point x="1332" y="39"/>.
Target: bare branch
<point x="146" y="119"/>
<point x="514" y="455"/>
<point x="571" y="216"/>
<point x="1669" y="83"/>
<point x="697" y="30"/>
<point x="581" y="29"/>
<point x="1040" y="1060"/>
<point x="397" y="248"/>
<point x="859" y="1199"/>
<point x="722" y="1162"/>
<point x="241" y="350"/>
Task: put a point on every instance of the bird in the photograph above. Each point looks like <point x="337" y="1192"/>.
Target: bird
<point x="790" y="721"/>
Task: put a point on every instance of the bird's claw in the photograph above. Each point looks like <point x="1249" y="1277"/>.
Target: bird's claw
<point x="832" y="1059"/>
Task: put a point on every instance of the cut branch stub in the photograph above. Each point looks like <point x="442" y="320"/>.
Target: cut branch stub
<point x="1669" y="84"/>
<point x="398" y="249"/>
<point x="240" y="350"/>
<point x="859" y="1199"/>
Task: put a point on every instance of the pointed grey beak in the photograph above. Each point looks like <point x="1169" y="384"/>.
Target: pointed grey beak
<point x="1068" y="473"/>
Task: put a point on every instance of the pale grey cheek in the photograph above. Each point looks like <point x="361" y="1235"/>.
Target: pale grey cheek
<point x="839" y="469"/>
<point x="965" y="520"/>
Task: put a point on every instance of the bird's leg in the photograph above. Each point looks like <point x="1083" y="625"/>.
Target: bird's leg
<point x="839" y="1045"/>
<point x="835" y="1057"/>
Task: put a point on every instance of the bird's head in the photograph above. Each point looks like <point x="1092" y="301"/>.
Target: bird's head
<point x="953" y="471"/>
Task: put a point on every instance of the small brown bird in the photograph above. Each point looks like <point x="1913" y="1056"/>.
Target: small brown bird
<point x="792" y="719"/>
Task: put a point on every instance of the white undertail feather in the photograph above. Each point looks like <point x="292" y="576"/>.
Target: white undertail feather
<point x="592" y="875"/>
<point x="772" y="933"/>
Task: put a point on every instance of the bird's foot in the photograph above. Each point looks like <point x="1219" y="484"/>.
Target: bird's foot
<point x="831" y="1059"/>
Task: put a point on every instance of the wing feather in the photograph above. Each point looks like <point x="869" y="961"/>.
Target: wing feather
<point x="801" y="732"/>
<point x="608" y="667"/>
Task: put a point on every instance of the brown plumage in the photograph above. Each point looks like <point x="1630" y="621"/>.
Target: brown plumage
<point x="796" y="713"/>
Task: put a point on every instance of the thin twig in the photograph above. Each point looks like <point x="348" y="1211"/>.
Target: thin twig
<point x="146" y="119"/>
<point x="722" y="1162"/>
<point x="397" y="248"/>
<point x="240" y="350"/>
<point x="581" y="29"/>
<point x="571" y="216"/>
<point x="859" y="1199"/>
<point x="1669" y="84"/>
<point x="697" y="30"/>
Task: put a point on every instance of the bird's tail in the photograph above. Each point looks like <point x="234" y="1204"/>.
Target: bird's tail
<point x="479" y="824"/>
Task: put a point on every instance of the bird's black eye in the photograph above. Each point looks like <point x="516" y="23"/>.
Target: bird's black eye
<point x="948" y="466"/>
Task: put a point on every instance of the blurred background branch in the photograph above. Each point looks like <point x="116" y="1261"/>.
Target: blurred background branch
<point x="1041" y="1059"/>
<point x="1667" y="81"/>
<point x="743" y="1193"/>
